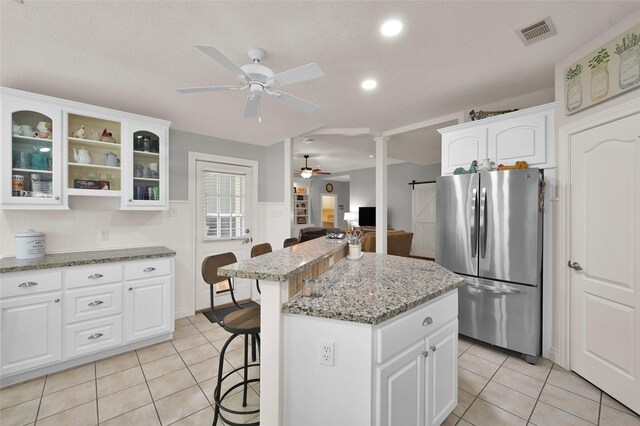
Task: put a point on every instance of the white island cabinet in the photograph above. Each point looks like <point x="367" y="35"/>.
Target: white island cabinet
<point x="69" y="309"/>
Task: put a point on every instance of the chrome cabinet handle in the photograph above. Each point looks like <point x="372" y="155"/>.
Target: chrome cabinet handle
<point x="96" y="303"/>
<point x="474" y="234"/>
<point x="130" y="288"/>
<point x="433" y="348"/>
<point x="57" y="300"/>
<point x="95" y="276"/>
<point x="574" y="265"/>
<point x="27" y="284"/>
<point x="427" y="321"/>
<point x="425" y="353"/>
<point x="95" y="336"/>
<point x="483" y="223"/>
<point x="149" y="269"/>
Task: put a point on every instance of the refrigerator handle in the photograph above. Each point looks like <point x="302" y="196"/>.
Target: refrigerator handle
<point x="483" y="223"/>
<point x="474" y="234"/>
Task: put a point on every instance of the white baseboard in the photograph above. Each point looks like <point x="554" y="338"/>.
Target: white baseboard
<point x="553" y="355"/>
<point x="182" y="312"/>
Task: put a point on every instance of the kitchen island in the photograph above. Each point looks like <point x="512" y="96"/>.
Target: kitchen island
<point x="377" y="316"/>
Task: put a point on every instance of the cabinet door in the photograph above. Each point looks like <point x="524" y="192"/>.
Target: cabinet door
<point x="461" y="148"/>
<point x="32" y="162"/>
<point x="146" y="167"/>
<point x="148" y="310"/>
<point x="31" y="332"/>
<point x="442" y="392"/>
<point x="401" y="387"/>
<point x="520" y="139"/>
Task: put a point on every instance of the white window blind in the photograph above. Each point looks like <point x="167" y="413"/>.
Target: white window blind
<point x="224" y="204"/>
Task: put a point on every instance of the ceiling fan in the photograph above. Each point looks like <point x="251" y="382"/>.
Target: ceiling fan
<point x="306" y="171"/>
<point x="259" y="79"/>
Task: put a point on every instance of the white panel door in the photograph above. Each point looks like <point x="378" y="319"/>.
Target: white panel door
<point x="401" y="387"/>
<point x="31" y="332"/>
<point x="423" y="207"/>
<point x="605" y="242"/>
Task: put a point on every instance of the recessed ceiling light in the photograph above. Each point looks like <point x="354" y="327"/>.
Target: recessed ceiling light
<point x="372" y="156"/>
<point x="391" y="28"/>
<point x="369" y="84"/>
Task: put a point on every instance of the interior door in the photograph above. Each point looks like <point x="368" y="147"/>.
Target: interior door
<point x="423" y="207"/>
<point x="223" y="223"/>
<point x="605" y="246"/>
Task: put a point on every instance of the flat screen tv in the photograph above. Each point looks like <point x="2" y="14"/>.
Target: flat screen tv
<point x="367" y="216"/>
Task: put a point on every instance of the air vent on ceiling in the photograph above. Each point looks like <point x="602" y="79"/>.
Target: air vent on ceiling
<point x="536" y="32"/>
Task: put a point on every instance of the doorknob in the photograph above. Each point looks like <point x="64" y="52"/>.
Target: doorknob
<point x="574" y="265"/>
<point x="247" y="240"/>
<point x="246" y="231"/>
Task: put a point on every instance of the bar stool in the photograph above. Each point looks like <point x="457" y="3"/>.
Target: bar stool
<point x="290" y="242"/>
<point x="259" y="250"/>
<point x="244" y="321"/>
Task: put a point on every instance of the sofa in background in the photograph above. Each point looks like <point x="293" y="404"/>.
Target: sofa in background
<point x="398" y="242"/>
<point x="311" y="233"/>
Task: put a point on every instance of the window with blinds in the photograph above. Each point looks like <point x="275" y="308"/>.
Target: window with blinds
<point x="224" y="204"/>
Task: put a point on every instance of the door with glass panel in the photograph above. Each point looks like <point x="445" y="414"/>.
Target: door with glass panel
<point x="223" y="223"/>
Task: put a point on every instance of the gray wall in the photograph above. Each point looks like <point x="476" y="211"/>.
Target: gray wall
<point x="363" y="190"/>
<point x="341" y="189"/>
<point x="270" y="162"/>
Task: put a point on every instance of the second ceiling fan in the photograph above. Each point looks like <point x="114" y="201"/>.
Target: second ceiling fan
<point x="306" y="171"/>
<point x="259" y="79"/>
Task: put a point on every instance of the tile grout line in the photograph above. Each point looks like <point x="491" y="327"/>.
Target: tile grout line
<point x="146" y="382"/>
<point x="541" y="389"/>
<point x="95" y="378"/>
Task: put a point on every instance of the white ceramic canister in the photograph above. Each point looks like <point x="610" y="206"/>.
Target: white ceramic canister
<point x="29" y="244"/>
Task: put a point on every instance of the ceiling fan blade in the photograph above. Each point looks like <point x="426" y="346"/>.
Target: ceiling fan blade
<point x="294" y="101"/>
<point x="321" y="173"/>
<point x="207" y="89"/>
<point x="296" y="75"/>
<point x="219" y="57"/>
<point x="252" y="106"/>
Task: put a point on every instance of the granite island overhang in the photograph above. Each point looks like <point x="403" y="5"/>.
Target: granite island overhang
<point x="368" y="293"/>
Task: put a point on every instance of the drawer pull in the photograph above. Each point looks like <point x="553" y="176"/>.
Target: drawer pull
<point x="427" y="321"/>
<point x="27" y="284"/>
<point x="96" y="303"/>
<point x="130" y="288"/>
<point x="57" y="300"/>
<point x="425" y="353"/>
<point x="433" y="348"/>
<point x="95" y="276"/>
<point x="95" y="336"/>
<point x="149" y="269"/>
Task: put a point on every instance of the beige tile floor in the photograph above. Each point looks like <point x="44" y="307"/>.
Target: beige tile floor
<point x="173" y="383"/>
<point x="498" y="389"/>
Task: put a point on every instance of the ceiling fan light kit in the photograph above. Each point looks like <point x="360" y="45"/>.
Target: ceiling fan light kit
<point x="306" y="172"/>
<point x="259" y="78"/>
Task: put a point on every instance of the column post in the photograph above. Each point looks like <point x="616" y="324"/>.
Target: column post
<point x="381" y="194"/>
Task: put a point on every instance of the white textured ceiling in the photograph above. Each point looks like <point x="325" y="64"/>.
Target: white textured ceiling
<point x="132" y="55"/>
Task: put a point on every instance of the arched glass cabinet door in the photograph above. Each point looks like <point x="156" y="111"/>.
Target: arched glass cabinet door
<point x="31" y="163"/>
<point x="147" y="167"/>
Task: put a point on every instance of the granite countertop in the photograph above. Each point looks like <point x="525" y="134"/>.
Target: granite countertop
<point x="375" y="288"/>
<point x="282" y="264"/>
<point x="58" y="260"/>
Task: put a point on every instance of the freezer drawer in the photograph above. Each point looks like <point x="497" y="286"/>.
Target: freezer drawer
<point x="505" y="315"/>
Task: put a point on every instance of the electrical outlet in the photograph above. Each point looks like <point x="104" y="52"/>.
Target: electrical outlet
<point x="327" y="352"/>
<point x="104" y="235"/>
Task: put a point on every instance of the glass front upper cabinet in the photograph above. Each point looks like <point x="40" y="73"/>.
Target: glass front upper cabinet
<point x="147" y="166"/>
<point x="31" y="163"/>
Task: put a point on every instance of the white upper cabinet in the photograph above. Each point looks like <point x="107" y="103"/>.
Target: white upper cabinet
<point x="31" y="157"/>
<point x="61" y="148"/>
<point x="527" y="135"/>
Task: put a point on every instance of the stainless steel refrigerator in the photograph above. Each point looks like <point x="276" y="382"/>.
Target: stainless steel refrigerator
<point x="489" y="229"/>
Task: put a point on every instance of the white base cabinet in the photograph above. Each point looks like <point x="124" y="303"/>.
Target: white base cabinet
<point x="64" y="315"/>
<point x="527" y="135"/>
<point x="400" y="372"/>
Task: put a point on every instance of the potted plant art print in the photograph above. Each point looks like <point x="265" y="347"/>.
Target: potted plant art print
<point x="629" y="53"/>
<point x="599" y="84"/>
<point x="573" y="85"/>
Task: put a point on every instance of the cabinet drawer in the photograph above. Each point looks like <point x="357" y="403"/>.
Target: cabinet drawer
<point x="33" y="282"/>
<point x="147" y="268"/>
<point x="94" y="274"/>
<point x="90" y="336"/>
<point x="416" y="324"/>
<point x="92" y="302"/>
